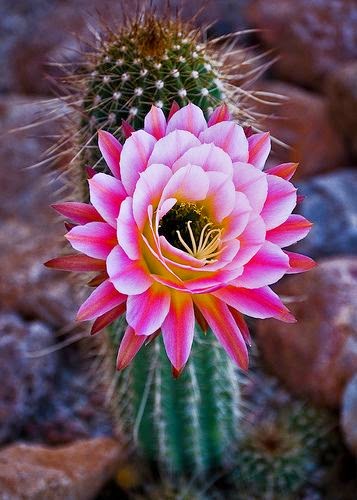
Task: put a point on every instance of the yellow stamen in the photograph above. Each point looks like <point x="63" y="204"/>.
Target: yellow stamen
<point x="207" y="248"/>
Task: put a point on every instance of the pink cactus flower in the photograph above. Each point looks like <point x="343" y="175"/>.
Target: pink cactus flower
<point x="189" y="227"/>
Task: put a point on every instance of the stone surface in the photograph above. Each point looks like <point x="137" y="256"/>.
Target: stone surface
<point x="349" y="415"/>
<point x="73" y="472"/>
<point x="47" y="395"/>
<point x="35" y="35"/>
<point x="316" y="356"/>
<point x="342" y="96"/>
<point x="331" y="204"/>
<point x="301" y="121"/>
<point x="26" y="381"/>
<point x="312" y="36"/>
<point x="31" y="233"/>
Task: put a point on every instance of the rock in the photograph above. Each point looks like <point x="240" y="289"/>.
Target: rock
<point x="316" y="356"/>
<point x="26" y="381"/>
<point x="302" y="121"/>
<point x="342" y="95"/>
<point x="312" y="36"/>
<point x="349" y="414"/>
<point x="72" y="472"/>
<point x="31" y="232"/>
<point x="331" y="204"/>
<point x="34" y="38"/>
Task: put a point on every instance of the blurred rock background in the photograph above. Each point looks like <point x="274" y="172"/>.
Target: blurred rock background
<point x="48" y="396"/>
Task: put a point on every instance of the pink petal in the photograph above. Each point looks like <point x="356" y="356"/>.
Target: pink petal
<point x="81" y="213"/>
<point x="284" y="170"/>
<point x="107" y="318"/>
<point x="106" y="194"/>
<point x="221" y="195"/>
<point x="127" y="129"/>
<point x="128" y="276"/>
<point x="280" y="201"/>
<point x="251" y="240"/>
<point x="267" y="266"/>
<point x="129" y="347"/>
<point x="75" y="262"/>
<point x="259" y="149"/>
<point x="188" y="118"/>
<point x="252" y="182"/>
<point x="90" y="172"/>
<point x="221" y="321"/>
<point x="178" y="328"/>
<point x="146" y="312"/>
<point x="190" y="183"/>
<point x="95" y="239"/>
<point x="292" y="230"/>
<point x="242" y="325"/>
<point x="230" y="137"/>
<point x="171" y="147"/>
<point x="103" y="299"/>
<point x="155" y="122"/>
<point x="235" y="223"/>
<point x="259" y="302"/>
<point x="127" y="230"/>
<point x="299" y="263"/>
<point x="207" y="281"/>
<point x="220" y="114"/>
<point x="207" y="156"/>
<point x="148" y="191"/>
<point x="134" y="158"/>
<point x="174" y="108"/>
<point x="111" y="150"/>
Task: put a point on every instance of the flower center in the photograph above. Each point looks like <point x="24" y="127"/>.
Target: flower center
<point x="187" y="227"/>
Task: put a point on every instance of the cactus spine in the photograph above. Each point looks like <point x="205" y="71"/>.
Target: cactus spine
<point x="186" y="425"/>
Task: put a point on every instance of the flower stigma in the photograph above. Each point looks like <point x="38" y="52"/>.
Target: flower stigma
<point x="187" y="227"/>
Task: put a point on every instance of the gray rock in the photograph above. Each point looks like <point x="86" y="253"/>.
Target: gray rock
<point x="26" y="379"/>
<point x="331" y="204"/>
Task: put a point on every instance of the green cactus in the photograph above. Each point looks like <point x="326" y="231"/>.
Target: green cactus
<point x="279" y="455"/>
<point x="187" y="425"/>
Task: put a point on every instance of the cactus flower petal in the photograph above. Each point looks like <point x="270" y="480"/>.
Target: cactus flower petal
<point x="129" y="346"/>
<point x="104" y="298"/>
<point x="106" y="194"/>
<point x="111" y="150"/>
<point x="178" y="328"/>
<point x="259" y="149"/>
<point x="292" y="230"/>
<point x="155" y="123"/>
<point x="299" y="263"/>
<point x="194" y="229"/>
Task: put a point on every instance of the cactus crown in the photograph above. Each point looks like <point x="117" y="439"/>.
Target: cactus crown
<point x="149" y="61"/>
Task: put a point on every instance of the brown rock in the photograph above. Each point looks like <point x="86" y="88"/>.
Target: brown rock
<point x="349" y="415"/>
<point x="342" y="96"/>
<point x="35" y="36"/>
<point x="316" y="356"/>
<point x="302" y="121"/>
<point x="30" y="233"/>
<point x="312" y="36"/>
<point x="74" y="472"/>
